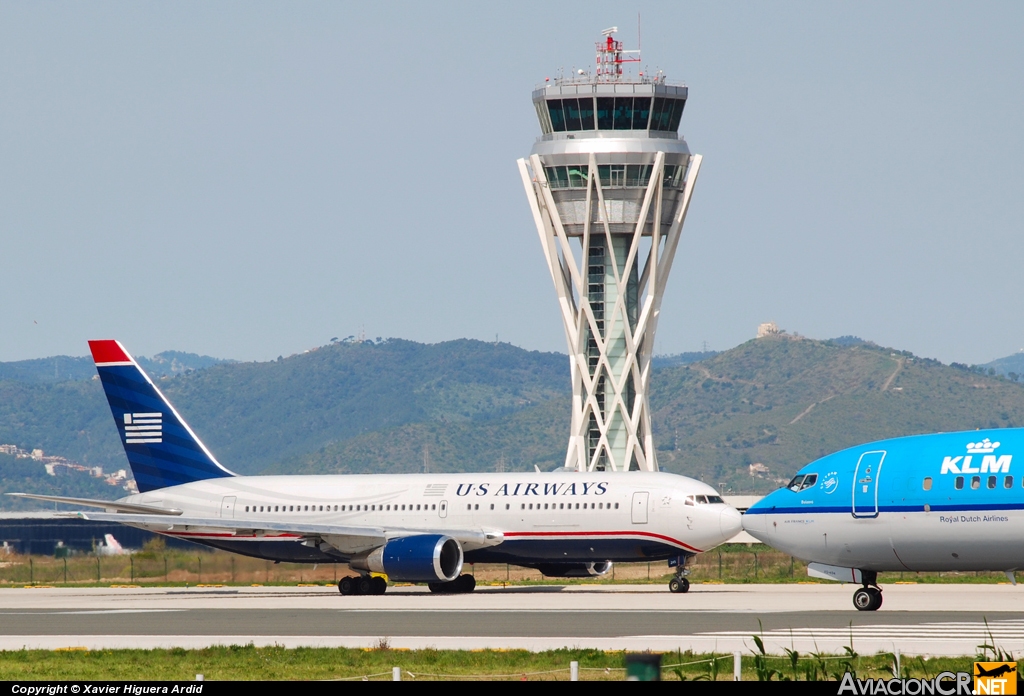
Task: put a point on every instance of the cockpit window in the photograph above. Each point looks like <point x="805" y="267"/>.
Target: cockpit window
<point x="794" y="485"/>
<point x="715" y="499"/>
<point x="809" y="480"/>
<point x="688" y="500"/>
<point x="702" y="499"/>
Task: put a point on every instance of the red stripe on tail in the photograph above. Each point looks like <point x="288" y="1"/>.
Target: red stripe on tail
<point x="108" y="352"/>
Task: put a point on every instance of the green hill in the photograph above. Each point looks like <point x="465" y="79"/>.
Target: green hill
<point x="253" y="415"/>
<point x="473" y="406"/>
<point x="781" y="402"/>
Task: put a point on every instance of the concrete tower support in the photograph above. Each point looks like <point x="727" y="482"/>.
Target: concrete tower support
<point x="609" y="183"/>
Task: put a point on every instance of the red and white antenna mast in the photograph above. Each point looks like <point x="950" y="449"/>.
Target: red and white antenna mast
<point x="610" y="57"/>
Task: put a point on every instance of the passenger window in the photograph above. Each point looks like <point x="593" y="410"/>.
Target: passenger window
<point x="492" y="506"/>
<point x="1008" y="482"/>
<point x="991" y="481"/>
<point x="600" y="506"/>
<point x="434" y="506"/>
<point x="531" y="506"/>
<point x="927" y="483"/>
<point x="476" y="507"/>
<point x="291" y="508"/>
<point x="524" y="506"/>
<point x="507" y="506"/>
<point x="469" y="506"/>
<point x="616" y="506"/>
<point x="975" y="483"/>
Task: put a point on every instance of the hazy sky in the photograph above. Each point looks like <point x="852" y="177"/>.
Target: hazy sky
<point x="250" y="179"/>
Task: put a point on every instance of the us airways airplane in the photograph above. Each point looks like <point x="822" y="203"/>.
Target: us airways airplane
<point x="943" y="502"/>
<point x="411" y="528"/>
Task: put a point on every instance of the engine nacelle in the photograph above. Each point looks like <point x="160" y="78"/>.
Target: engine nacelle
<point x="575" y="570"/>
<point x="420" y="558"/>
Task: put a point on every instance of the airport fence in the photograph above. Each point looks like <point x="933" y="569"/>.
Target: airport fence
<point x="731" y="563"/>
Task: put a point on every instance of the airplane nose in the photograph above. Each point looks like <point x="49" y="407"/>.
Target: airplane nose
<point x="730" y="522"/>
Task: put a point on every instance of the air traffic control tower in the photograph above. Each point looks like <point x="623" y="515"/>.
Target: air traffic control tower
<point x="609" y="181"/>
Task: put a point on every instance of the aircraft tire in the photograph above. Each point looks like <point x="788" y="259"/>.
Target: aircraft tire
<point x="364" y="586"/>
<point x="678" y="585"/>
<point x="876" y="595"/>
<point x="467" y="583"/>
<point x="347" y="586"/>
<point x="867" y="599"/>
<point x="378" y="585"/>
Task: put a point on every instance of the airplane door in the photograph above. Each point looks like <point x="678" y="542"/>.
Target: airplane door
<point x="865" y="484"/>
<point x="640" y="507"/>
<point x="227" y="506"/>
<point x="442" y="508"/>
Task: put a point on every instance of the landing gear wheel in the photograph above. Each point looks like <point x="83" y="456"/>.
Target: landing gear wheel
<point x="347" y="586"/>
<point x="460" y="585"/>
<point x="678" y="585"/>
<point x="867" y="599"/>
<point x="378" y="585"/>
<point x="364" y="586"/>
<point x="876" y="594"/>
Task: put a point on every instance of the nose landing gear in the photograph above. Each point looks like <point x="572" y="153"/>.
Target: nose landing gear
<point x="869" y="597"/>
<point x="679" y="583"/>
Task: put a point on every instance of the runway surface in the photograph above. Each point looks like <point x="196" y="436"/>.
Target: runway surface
<point x="916" y="619"/>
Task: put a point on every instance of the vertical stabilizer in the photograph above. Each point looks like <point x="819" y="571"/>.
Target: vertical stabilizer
<point x="162" y="450"/>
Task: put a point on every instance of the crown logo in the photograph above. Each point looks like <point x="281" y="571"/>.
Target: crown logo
<point x="983" y="447"/>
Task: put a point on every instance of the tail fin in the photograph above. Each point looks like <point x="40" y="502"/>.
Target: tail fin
<point x="162" y="450"/>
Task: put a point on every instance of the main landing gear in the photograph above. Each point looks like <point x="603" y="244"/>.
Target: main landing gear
<point x="869" y="597"/>
<point x="363" y="585"/>
<point x="460" y="585"/>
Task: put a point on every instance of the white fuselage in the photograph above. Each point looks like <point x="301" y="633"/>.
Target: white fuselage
<point x="542" y="517"/>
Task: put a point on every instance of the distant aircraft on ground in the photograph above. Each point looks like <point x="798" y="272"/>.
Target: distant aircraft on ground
<point x="412" y="528"/>
<point x="943" y="502"/>
<point x="110" y="547"/>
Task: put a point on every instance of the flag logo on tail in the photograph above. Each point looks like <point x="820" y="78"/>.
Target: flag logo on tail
<point x="143" y="428"/>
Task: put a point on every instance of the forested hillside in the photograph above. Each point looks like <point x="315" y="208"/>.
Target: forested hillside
<point x="472" y="406"/>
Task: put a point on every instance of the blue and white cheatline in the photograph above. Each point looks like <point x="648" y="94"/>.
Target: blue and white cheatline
<point x="942" y="502"/>
<point x="409" y="527"/>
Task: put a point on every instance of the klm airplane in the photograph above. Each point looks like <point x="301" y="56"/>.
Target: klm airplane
<point x="411" y="528"/>
<point x="943" y="502"/>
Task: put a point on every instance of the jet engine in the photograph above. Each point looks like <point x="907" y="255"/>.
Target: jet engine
<point x="575" y="570"/>
<point x="420" y="558"/>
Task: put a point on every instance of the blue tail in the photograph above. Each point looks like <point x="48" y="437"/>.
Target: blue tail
<point x="162" y="450"/>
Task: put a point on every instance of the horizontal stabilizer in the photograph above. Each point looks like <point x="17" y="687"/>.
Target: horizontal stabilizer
<point x="108" y="505"/>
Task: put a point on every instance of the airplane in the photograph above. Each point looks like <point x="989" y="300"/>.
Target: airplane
<point x="410" y="527"/>
<point x="110" y="547"/>
<point x="937" y="502"/>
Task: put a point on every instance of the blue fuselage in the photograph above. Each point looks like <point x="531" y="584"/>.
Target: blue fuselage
<point x="949" y="501"/>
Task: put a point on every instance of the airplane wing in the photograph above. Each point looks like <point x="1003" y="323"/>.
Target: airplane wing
<point x="108" y="505"/>
<point x="346" y="539"/>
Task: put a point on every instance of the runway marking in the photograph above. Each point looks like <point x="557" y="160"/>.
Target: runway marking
<point x="88" y="611"/>
<point x="1011" y="629"/>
